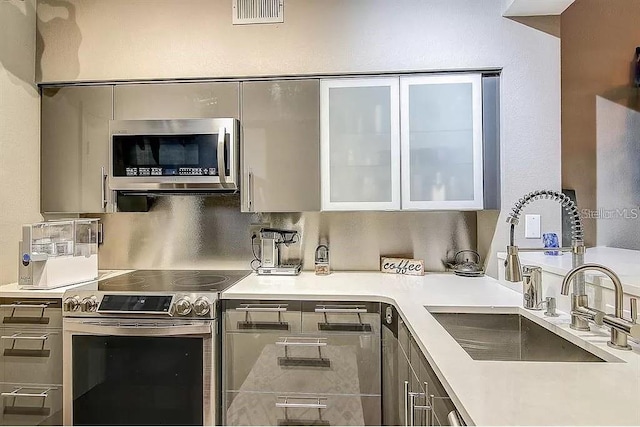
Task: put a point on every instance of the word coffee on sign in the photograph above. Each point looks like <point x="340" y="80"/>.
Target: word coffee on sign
<point x="414" y="267"/>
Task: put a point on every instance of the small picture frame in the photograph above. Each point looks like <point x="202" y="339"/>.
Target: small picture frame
<point x="408" y="266"/>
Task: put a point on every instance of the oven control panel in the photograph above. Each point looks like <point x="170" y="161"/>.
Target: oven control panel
<point x="148" y="304"/>
<point x="97" y="304"/>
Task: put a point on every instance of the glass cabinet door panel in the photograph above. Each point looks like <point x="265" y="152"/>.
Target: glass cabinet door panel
<point x="441" y="122"/>
<point x="360" y="144"/>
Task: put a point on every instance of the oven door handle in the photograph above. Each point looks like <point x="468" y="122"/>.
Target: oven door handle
<point x="96" y="327"/>
<point x="222" y="167"/>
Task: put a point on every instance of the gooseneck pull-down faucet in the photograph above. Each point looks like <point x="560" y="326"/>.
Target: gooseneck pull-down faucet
<point x="581" y="314"/>
<point x="620" y="327"/>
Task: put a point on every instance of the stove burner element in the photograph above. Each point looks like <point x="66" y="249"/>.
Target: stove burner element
<point x="167" y="281"/>
<point x="163" y="273"/>
<point x="203" y="281"/>
<point x="126" y="281"/>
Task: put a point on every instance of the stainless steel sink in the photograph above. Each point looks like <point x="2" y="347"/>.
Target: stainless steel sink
<point x="510" y="337"/>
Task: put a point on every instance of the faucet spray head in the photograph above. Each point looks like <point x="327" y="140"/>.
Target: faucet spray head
<point x="512" y="269"/>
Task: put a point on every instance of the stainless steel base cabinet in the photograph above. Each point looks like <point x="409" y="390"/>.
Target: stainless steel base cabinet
<point x="31" y="361"/>
<point x="412" y="393"/>
<point x="301" y="363"/>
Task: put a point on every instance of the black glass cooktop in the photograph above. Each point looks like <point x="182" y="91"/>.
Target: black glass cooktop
<point x="173" y="280"/>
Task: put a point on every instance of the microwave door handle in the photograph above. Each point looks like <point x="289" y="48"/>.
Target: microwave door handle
<point x="103" y="187"/>
<point x="222" y="168"/>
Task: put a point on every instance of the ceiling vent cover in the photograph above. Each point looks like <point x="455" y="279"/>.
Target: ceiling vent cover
<point x="258" y="11"/>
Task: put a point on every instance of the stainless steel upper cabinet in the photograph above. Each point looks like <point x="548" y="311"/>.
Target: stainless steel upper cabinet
<point x="75" y="148"/>
<point x="281" y="146"/>
<point x="177" y="101"/>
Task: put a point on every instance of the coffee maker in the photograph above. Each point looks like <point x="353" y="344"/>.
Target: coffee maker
<point x="270" y="262"/>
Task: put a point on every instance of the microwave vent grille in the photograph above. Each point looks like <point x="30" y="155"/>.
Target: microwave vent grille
<point x="257" y="11"/>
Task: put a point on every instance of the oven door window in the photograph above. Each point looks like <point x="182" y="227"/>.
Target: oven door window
<point x="167" y="155"/>
<point x="137" y="380"/>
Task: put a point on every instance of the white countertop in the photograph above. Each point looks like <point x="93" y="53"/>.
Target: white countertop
<point x="625" y="263"/>
<point x="485" y="392"/>
<point x="12" y="290"/>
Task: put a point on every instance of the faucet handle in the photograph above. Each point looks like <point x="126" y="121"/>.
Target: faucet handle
<point x="634" y="310"/>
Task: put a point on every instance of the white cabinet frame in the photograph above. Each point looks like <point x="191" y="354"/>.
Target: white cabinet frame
<point x="477" y="203"/>
<point x="325" y="144"/>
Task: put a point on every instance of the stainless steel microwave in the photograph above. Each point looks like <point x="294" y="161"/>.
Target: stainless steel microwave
<point x="178" y="155"/>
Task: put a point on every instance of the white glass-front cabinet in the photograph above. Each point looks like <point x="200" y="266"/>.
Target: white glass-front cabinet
<point x="392" y="143"/>
<point x="360" y="144"/>
<point x="441" y="140"/>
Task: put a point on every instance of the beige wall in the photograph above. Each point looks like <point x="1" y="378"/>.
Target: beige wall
<point x="96" y="40"/>
<point x="599" y="38"/>
<point x="19" y="130"/>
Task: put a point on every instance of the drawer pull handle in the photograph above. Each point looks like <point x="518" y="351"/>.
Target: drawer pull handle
<point x="410" y="406"/>
<point x="288" y="361"/>
<point x="26" y="352"/>
<point x="19" y="336"/>
<point x="248" y="324"/>
<point x="18" y="305"/>
<point x="316" y="404"/>
<point x="343" y="327"/>
<point x="26" y="319"/>
<point x="304" y="342"/>
<point x="279" y="308"/>
<point x="13" y="409"/>
<point x="18" y="393"/>
<point x="341" y="309"/>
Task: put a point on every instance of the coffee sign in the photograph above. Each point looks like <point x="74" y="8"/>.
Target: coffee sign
<point x="413" y="267"/>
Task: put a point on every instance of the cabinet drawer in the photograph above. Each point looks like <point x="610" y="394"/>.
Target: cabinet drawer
<point x="268" y="409"/>
<point x="330" y="317"/>
<point x="267" y="316"/>
<point x="337" y="364"/>
<point x="26" y="405"/>
<point x="31" y="312"/>
<point x="31" y="355"/>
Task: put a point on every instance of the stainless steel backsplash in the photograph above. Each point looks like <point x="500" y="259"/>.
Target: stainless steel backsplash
<point x="185" y="232"/>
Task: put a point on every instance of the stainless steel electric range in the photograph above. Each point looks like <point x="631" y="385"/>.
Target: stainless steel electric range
<point x="141" y="348"/>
